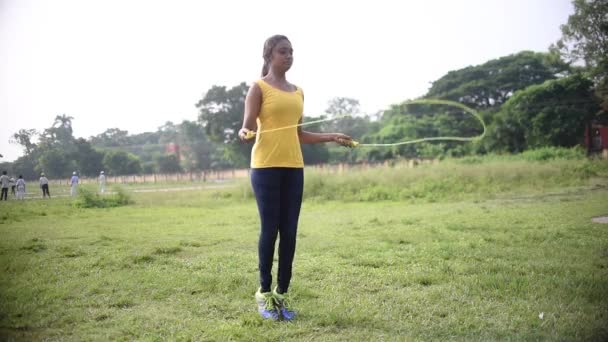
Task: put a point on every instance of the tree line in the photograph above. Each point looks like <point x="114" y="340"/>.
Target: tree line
<point x="527" y="99"/>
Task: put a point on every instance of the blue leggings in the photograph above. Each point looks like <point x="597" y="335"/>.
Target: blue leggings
<point x="278" y="192"/>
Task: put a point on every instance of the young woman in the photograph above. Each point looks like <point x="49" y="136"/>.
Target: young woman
<point x="277" y="170"/>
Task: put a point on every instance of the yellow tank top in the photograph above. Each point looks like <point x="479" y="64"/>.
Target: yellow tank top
<point x="279" y="148"/>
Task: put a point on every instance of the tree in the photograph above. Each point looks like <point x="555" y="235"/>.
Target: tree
<point x="221" y="114"/>
<point x="315" y="154"/>
<point x="339" y="106"/>
<point x="168" y="164"/>
<point x="110" y="138"/>
<point x="24" y="138"/>
<point x="484" y="87"/>
<point x="58" y="153"/>
<point x="58" y="142"/>
<point x="63" y="121"/>
<point x="168" y="133"/>
<point x="146" y="146"/>
<point x="492" y="83"/>
<point x="196" y="149"/>
<point x="61" y="132"/>
<point x="121" y="163"/>
<point x="56" y="162"/>
<point x="550" y="114"/>
<point x="88" y="160"/>
<point x="145" y="138"/>
<point x="585" y="38"/>
<point x="354" y="123"/>
<point x="25" y="166"/>
<point x="409" y="121"/>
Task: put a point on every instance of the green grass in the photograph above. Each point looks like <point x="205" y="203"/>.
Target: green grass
<point x="183" y="266"/>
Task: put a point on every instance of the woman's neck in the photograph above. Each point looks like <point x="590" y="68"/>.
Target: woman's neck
<point x="276" y="76"/>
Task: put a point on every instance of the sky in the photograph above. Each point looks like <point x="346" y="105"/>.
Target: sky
<point x="136" y="64"/>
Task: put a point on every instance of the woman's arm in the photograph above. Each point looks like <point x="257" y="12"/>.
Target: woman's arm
<point x="315" y="138"/>
<point x="253" y="102"/>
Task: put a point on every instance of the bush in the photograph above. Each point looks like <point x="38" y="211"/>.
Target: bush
<point x="553" y="153"/>
<point x="89" y="199"/>
<point x="542" y="154"/>
<point x="454" y="179"/>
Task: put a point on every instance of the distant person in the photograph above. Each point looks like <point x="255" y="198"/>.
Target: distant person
<point x="44" y="185"/>
<point x="102" y="182"/>
<point x="74" y="185"/>
<point x="20" y="188"/>
<point x="11" y="182"/>
<point x="5" y="182"/>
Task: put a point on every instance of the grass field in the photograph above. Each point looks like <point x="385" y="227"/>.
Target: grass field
<point x="510" y="265"/>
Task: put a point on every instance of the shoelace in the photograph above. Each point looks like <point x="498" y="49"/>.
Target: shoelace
<point x="269" y="303"/>
<point x="283" y="300"/>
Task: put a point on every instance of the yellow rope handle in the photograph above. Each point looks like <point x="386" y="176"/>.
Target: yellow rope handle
<point x="353" y="143"/>
<point x="249" y="135"/>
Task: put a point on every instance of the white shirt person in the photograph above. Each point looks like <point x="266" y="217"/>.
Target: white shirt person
<point x="20" y="188"/>
<point x="74" y="184"/>
<point x="102" y="182"/>
<point x="44" y="185"/>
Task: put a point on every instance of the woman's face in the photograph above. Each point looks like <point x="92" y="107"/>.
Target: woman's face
<point x="282" y="55"/>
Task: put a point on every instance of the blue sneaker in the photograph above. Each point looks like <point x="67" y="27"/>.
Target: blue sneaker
<point x="283" y="304"/>
<point x="266" y="305"/>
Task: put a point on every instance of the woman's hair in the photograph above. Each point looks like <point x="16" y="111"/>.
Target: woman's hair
<point x="268" y="47"/>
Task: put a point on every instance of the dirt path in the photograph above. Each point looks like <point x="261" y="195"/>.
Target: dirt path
<point x="32" y="196"/>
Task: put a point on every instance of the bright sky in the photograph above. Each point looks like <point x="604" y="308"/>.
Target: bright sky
<point x="135" y="64"/>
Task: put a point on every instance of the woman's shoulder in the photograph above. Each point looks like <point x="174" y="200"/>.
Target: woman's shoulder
<point x="257" y="86"/>
<point x="264" y="85"/>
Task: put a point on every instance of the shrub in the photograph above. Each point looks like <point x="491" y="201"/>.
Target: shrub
<point x="89" y="199"/>
<point x="553" y="153"/>
<point x="454" y="179"/>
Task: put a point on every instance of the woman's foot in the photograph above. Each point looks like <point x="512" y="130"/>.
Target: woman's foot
<point x="283" y="304"/>
<point x="266" y="305"/>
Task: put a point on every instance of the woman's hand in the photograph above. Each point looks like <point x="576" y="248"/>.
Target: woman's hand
<point x="342" y="139"/>
<point x="246" y="135"/>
